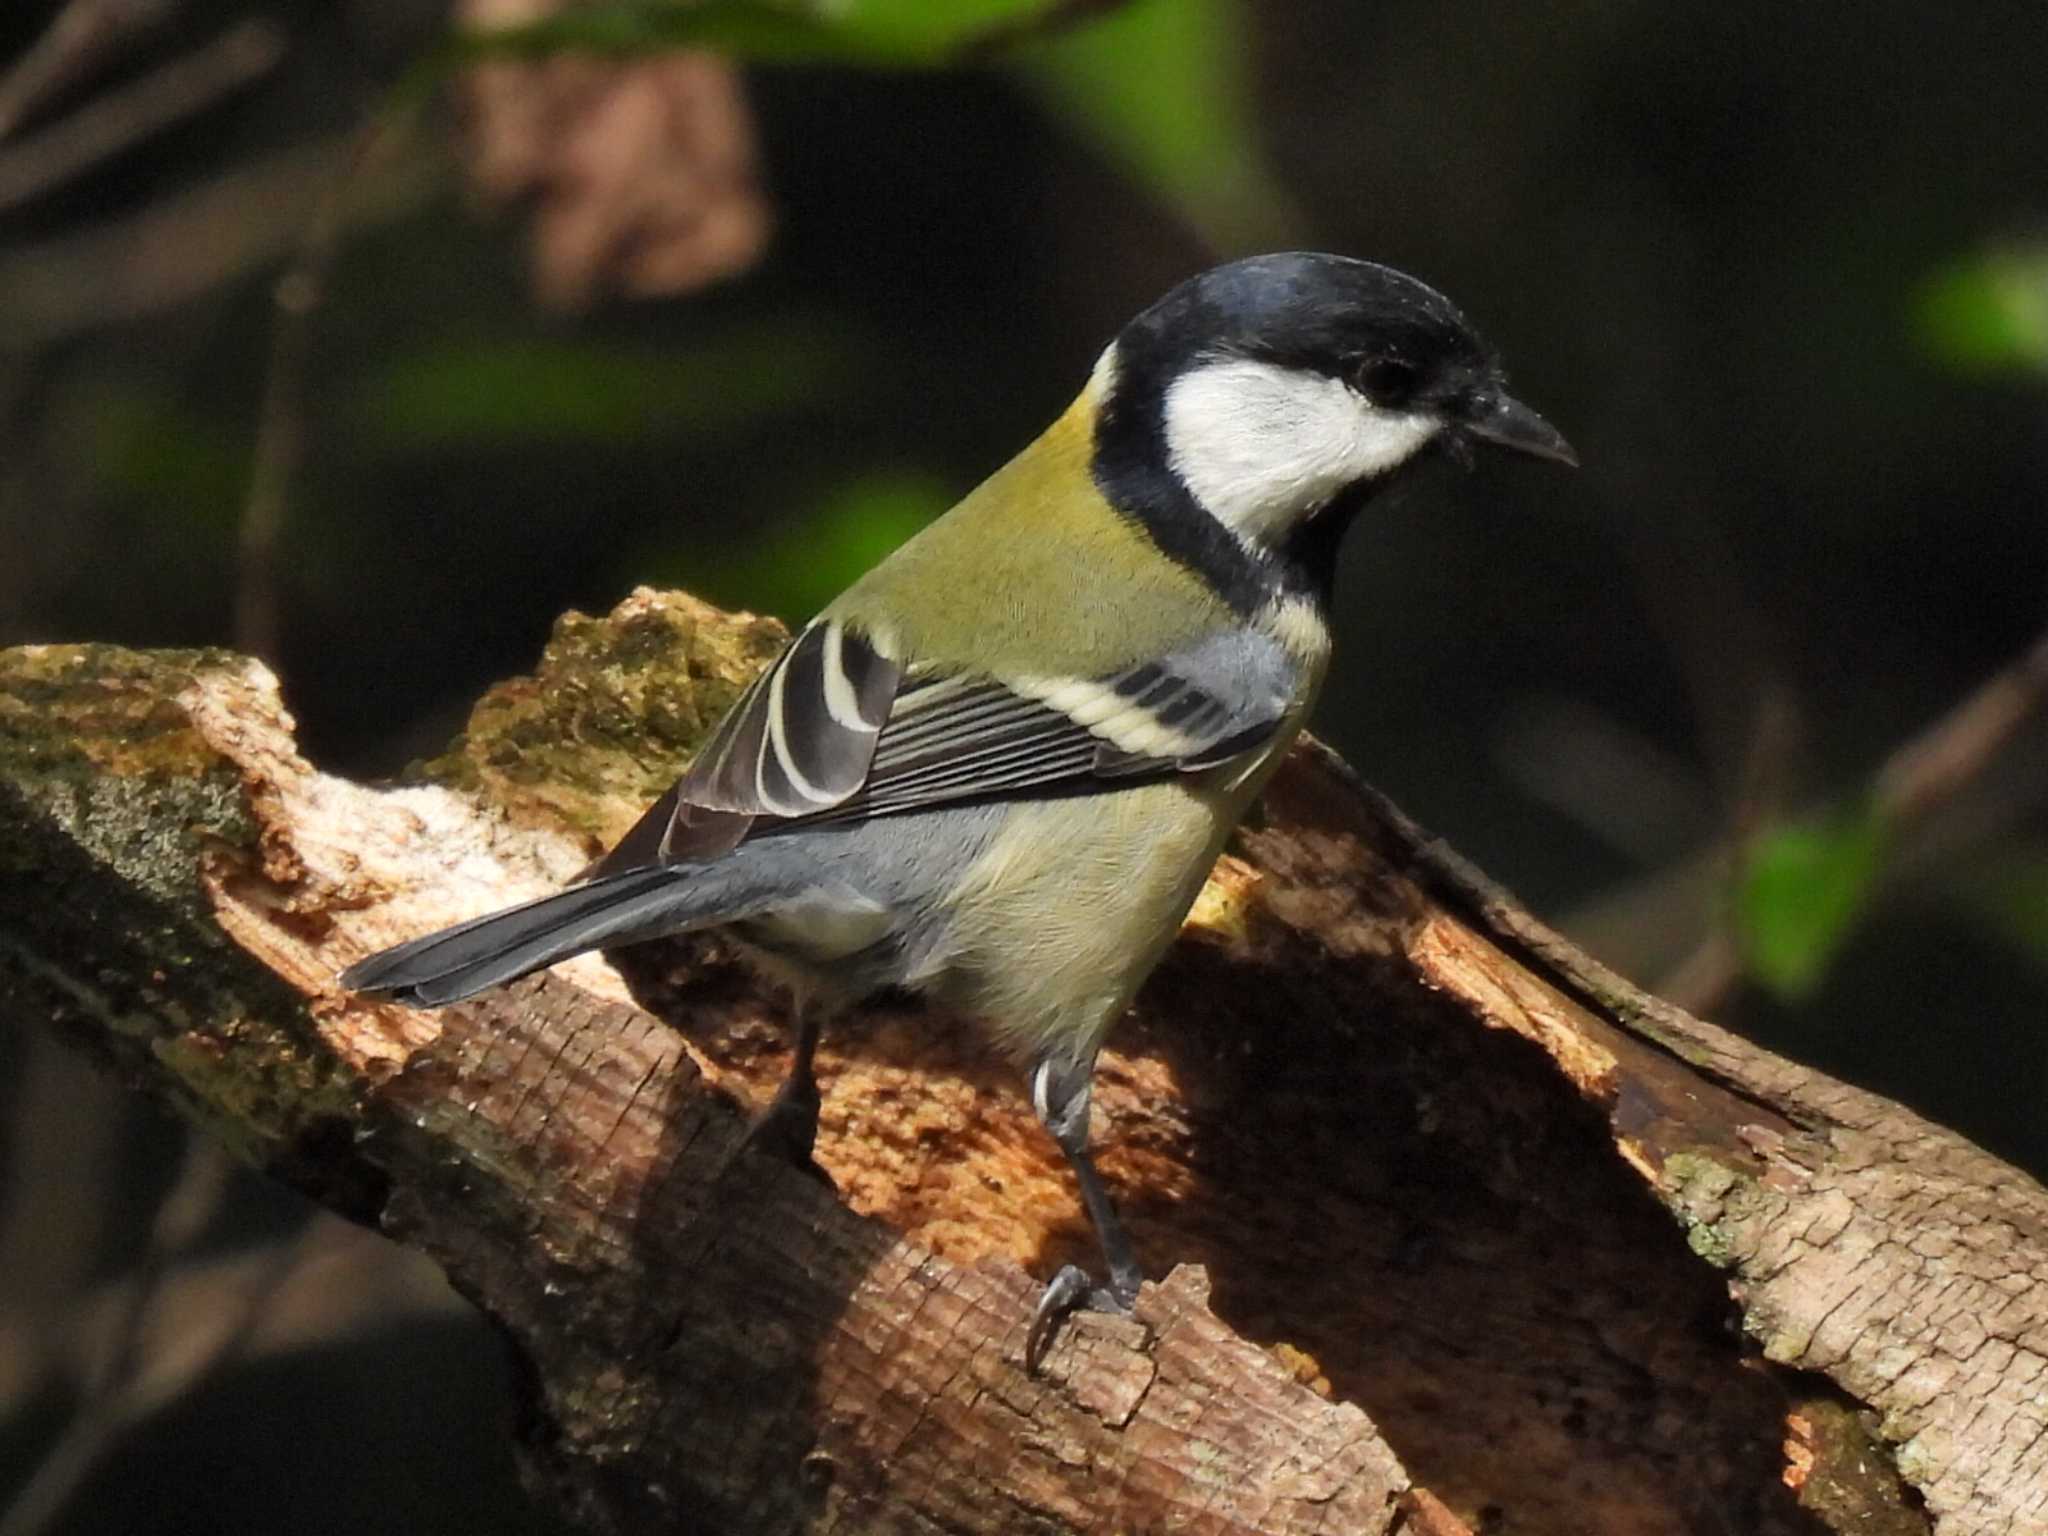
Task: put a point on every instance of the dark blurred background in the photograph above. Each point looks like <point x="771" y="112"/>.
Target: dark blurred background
<point x="323" y="337"/>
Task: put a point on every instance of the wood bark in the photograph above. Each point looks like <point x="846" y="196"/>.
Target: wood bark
<point x="1455" y="1230"/>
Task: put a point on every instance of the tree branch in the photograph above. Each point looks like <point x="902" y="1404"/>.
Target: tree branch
<point x="1418" y="1158"/>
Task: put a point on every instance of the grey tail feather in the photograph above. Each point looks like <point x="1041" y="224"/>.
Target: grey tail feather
<point x="459" y="962"/>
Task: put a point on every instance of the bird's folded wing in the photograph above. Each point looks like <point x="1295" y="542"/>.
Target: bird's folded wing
<point x="799" y="740"/>
<point x="959" y="738"/>
<point x="835" y="732"/>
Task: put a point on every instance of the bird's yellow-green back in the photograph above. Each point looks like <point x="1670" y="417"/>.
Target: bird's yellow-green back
<point x="967" y="592"/>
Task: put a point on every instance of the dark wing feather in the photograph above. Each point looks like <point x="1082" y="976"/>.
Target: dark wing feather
<point x="799" y="741"/>
<point x="808" y="743"/>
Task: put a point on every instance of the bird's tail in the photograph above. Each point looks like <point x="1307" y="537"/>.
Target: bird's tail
<point x="458" y="962"/>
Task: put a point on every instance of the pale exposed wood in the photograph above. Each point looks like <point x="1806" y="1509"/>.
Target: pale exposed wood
<point x="1426" y="1156"/>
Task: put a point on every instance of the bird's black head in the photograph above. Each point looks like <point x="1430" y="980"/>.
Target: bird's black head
<point x="1249" y="413"/>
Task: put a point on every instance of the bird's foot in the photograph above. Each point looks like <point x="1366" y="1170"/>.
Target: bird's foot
<point x="787" y="1130"/>
<point x="1072" y="1290"/>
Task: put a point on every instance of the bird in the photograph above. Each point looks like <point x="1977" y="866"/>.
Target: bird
<point x="998" y="768"/>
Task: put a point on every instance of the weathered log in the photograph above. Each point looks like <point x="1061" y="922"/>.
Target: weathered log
<point x="1417" y="1158"/>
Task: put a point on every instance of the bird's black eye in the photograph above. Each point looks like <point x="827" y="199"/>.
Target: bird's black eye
<point x="1387" y="381"/>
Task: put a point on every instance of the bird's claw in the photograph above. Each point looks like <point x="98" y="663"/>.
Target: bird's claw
<point x="1071" y="1290"/>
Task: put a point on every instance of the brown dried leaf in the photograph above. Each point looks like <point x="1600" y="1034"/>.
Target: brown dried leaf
<point x="642" y="174"/>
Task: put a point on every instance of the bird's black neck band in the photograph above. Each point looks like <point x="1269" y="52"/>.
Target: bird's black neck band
<point x="1130" y="469"/>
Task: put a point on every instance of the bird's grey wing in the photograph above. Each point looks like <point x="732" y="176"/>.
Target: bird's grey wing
<point x="956" y="738"/>
<point x="799" y="741"/>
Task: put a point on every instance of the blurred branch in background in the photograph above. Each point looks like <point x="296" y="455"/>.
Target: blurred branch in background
<point x="633" y="158"/>
<point x="113" y="1386"/>
<point x="332" y="1283"/>
<point x="1776" y="893"/>
<point x="1930" y="770"/>
<point x="1802" y="883"/>
<point x="281" y="419"/>
<point x="84" y="38"/>
<point x="185" y="244"/>
<point x="121" y="1349"/>
<point x="120" y="119"/>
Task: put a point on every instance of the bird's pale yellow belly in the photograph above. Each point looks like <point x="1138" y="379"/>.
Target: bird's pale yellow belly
<point x="1055" y="926"/>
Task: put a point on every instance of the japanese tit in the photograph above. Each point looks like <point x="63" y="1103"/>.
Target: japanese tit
<point x="997" y="769"/>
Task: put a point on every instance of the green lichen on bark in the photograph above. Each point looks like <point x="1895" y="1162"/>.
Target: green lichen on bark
<point x="94" y="738"/>
<point x="614" y="711"/>
<point x="1701" y="1191"/>
<point x="1852" y="1482"/>
<point x="111" y="800"/>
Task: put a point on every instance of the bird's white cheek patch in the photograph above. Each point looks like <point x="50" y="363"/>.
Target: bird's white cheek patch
<point x="1262" y="446"/>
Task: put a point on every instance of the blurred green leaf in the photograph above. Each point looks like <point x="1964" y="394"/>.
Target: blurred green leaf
<point x="800" y="568"/>
<point x="898" y="34"/>
<point x="169" y="458"/>
<point x="1988" y="314"/>
<point x="2012" y="896"/>
<point x="1801" y="892"/>
<point x="581" y="392"/>
<point x="1165" y="87"/>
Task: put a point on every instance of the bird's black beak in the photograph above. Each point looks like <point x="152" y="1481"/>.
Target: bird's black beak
<point x="1507" y="423"/>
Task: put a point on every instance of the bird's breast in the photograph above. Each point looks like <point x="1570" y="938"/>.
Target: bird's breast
<point x="1053" y="928"/>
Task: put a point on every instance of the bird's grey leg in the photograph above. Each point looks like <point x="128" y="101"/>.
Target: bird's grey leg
<point x="1060" y="1091"/>
<point x="788" y="1127"/>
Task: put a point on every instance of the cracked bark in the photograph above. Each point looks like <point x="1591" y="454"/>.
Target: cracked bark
<point x="1417" y="1159"/>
